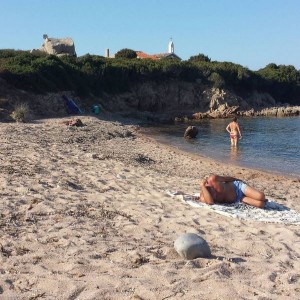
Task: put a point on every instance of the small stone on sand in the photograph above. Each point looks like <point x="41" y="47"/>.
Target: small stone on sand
<point x="191" y="245"/>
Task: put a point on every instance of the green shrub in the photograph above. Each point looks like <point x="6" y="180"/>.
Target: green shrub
<point x="126" y="53"/>
<point x="199" y="57"/>
<point x="217" y="80"/>
<point x="21" y="112"/>
<point x="95" y="75"/>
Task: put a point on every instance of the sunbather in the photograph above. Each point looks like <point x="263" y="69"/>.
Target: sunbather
<point x="220" y="189"/>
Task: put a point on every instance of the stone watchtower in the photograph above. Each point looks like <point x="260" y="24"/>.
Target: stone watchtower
<point x="64" y="46"/>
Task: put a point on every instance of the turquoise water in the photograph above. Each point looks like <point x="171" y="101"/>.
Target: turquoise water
<point x="271" y="144"/>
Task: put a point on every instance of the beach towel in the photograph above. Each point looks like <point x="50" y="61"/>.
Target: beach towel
<point x="272" y="213"/>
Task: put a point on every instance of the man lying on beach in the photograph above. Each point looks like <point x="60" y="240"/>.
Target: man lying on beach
<point x="220" y="189"/>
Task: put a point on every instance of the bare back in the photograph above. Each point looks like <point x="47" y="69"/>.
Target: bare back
<point x="223" y="192"/>
<point x="234" y="128"/>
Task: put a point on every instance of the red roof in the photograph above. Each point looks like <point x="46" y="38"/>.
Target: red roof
<point x="141" y="54"/>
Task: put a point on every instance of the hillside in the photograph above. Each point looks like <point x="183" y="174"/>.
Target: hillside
<point x="129" y="86"/>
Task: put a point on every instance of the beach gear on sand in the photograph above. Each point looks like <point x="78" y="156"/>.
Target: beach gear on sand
<point x="71" y="106"/>
<point x="74" y="122"/>
<point x="96" y="109"/>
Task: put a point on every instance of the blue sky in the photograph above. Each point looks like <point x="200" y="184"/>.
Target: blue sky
<point x="252" y="33"/>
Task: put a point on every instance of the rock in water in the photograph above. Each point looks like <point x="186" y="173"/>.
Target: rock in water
<point x="191" y="132"/>
<point x="191" y="245"/>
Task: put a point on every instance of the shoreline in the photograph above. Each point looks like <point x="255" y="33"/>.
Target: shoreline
<point x="219" y="161"/>
<point x="85" y="213"/>
<point x="163" y="139"/>
<point x="237" y="165"/>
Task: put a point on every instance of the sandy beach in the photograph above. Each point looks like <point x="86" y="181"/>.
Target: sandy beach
<point x="85" y="215"/>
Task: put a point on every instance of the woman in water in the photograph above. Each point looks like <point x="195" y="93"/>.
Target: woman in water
<point x="234" y="130"/>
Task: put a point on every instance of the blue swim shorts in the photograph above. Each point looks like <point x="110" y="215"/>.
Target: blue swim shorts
<point x="239" y="187"/>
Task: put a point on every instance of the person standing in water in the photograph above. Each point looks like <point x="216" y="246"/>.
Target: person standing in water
<point x="234" y="130"/>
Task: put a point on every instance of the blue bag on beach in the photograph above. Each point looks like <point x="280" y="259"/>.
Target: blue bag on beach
<point x="71" y="106"/>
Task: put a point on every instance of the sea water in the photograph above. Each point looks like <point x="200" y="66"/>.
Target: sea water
<point x="270" y="144"/>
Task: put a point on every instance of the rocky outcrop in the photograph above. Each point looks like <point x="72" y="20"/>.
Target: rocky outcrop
<point x="259" y="100"/>
<point x="169" y="97"/>
<point x="39" y="105"/>
<point x="221" y="112"/>
<point x="176" y="98"/>
<point x="191" y="132"/>
<point x="154" y="101"/>
<point x="225" y="104"/>
<point x="220" y="100"/>
<point x="59" y="47"/>
<point x="280" y="111"/>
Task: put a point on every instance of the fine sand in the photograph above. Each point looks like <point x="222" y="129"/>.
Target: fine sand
<point x="84" y="214"/>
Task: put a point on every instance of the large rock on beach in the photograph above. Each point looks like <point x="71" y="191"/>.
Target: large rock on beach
<point x="191" y="245"/>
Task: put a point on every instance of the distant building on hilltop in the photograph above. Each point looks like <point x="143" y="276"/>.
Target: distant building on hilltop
<point x="142" y="55"/>
<point x="170" y="54"/>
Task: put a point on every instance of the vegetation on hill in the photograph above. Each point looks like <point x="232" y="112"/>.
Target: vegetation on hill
<point x="93" y="75"/>
<point x="199" y="57"/>
<point x="126" y="53"/>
